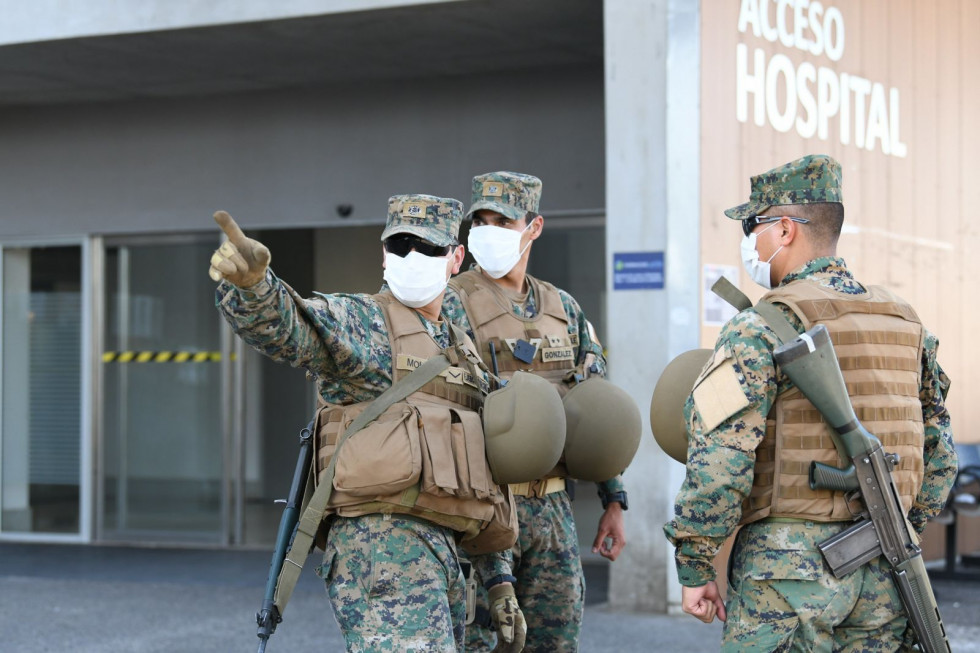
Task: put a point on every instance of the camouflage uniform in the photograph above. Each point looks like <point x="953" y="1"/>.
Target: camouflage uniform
<point x="550" y="584"/>
<point x="782" y="595"/>
<point x="394" y="581"/>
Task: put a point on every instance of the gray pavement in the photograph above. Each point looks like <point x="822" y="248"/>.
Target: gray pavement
<point x="92" y="599"/>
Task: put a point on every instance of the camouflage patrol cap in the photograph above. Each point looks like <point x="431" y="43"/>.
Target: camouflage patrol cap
<point x="510" y="194"/>
<point x="435" y="219"/>
<point x="814" y="178"/>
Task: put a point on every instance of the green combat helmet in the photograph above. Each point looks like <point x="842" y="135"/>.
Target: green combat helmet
<point x="603" y="430"/>
<point x="669" y="397"/>
<point x="524" y="427"/>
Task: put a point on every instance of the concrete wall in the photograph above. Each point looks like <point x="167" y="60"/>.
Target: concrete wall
<point x="287" y="159"/>
<point x="41" y="20"/>
<point x="652" y="68"/>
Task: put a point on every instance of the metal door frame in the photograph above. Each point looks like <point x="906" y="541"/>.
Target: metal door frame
<point x="232" y="397"/>
<point x="85" y="453"/>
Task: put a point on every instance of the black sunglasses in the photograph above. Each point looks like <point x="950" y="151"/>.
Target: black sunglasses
<point x="402" y="244"/>
<point x="749" y="224"/>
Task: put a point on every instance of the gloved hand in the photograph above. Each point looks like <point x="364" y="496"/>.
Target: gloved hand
<point x="507" y="619"/>
<point x="240" y="260"/>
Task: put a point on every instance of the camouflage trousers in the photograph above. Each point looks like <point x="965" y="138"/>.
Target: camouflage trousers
<point x="395" y="584"/>
<point x="783" y="597"/>
<point x="550" y="584"/>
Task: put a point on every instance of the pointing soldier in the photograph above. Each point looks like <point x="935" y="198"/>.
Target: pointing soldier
<point x="391" y="564"/>
<point x="519" y="322"/>
<point x="752" y="434"/>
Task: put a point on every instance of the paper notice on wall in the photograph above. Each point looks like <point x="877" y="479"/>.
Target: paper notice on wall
<point x="716" y="310"/>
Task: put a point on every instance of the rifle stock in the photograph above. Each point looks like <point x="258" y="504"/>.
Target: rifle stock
<point x="270" y="614"/>
<point x="811" y="364"/>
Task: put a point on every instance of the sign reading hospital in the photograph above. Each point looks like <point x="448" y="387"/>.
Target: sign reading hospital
<point x="807" y="96"/>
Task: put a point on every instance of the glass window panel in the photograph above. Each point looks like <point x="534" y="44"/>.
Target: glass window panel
<point x="42" y="320"/>
<point x="162" y="439"/>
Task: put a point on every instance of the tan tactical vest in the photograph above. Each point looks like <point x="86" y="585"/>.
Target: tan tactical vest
<point x="424" y="456"/>
<point x="878" y="340"/>
<point x="493" y="321"/>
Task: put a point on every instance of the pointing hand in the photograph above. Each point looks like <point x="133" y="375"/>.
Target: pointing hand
<point x="240" y="260"/>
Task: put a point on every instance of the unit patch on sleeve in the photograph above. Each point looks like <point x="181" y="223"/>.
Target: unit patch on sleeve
<point x="718" y="392"/>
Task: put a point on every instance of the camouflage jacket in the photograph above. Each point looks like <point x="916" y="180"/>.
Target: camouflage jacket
<point x="341" y="340"/>
<point x="452" y="309"/>
<point x="720" y="462"/>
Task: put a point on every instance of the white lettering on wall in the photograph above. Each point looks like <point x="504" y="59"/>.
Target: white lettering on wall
<point x="788" y="21"/>
<point x="807" y="96"/>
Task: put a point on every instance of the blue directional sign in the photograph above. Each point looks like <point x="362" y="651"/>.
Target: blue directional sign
<point x="638" y="270"/>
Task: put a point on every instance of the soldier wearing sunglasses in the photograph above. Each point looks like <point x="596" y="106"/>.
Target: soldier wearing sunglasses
<point x="391" y="566"/>
<point x="752" y="435"/>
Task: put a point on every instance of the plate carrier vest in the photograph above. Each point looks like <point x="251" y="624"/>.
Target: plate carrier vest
<point x="492" y="319"/>
<point x="878" y="339"/>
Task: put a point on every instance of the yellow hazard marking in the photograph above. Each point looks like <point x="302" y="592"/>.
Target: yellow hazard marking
<point x="163" y="357"/>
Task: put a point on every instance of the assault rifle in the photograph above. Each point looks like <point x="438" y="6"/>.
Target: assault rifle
<point x="269" y="616"/>
<point x="811" y="364"/>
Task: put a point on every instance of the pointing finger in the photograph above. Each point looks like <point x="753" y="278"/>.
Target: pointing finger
<point x="230" y="227"/>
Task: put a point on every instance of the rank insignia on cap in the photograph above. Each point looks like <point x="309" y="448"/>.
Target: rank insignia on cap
<point x="493" y="189"/>
<point x="413" y="210"/>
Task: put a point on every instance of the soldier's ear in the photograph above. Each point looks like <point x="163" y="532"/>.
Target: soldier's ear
<point x="789" y="229"/>
<point x="457" y="256"/>
<point x="536" y="226"/>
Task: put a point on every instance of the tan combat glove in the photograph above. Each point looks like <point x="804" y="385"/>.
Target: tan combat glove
<point x="507" y="619"/>
<point x="240" y="260"/>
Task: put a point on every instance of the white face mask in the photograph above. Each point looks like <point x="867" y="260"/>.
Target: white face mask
<point x="496" y="249"/>
<point x="416" y="279"/>
<point x="756" y="268"/>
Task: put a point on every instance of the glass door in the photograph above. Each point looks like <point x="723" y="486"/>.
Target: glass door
<point x="41" y="421"/>
<point x="164" y="472"/>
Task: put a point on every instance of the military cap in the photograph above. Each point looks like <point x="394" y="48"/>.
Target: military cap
<point x="510" y="194"/>
<point x="435" y="219"/>
<point x="814" y="178"/>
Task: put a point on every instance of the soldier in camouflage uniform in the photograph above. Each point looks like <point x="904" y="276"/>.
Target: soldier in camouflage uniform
<point x="746" y="422"/>
<point x="394" y="580"/>
<point x="547" y="566"/>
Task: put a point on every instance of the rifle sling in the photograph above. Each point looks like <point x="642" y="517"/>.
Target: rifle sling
<point x="777" y="321"/>
<point x="772" y="315"/>
<point x="727" y="291"/>
<point x="312" y="515"/>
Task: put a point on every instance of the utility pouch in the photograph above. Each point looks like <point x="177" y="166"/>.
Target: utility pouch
<point x="454" y="460"/>
<point x="382" y="458"/>
<point x="500" y="532"/>
<point x="470" y="580"/>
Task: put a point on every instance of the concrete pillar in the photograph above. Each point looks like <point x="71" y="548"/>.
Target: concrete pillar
<point x="652" y="168"/>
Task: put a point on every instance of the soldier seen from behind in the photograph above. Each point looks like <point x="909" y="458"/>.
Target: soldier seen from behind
<point x="415" y="483"/>
<point x="752" y="435"/>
